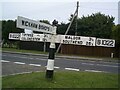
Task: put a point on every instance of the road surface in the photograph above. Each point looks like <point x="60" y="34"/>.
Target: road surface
<point x="14" y="63"/>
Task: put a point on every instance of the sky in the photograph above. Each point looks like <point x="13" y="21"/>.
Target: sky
<point x="54" y="9"/>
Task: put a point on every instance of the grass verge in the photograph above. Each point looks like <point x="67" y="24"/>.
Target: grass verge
<point x="68" y="79"/>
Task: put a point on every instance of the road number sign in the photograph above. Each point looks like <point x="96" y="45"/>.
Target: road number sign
<point x="15" y="36"/>
<point x="26" y="23"/>
<point x="105" y="42"/>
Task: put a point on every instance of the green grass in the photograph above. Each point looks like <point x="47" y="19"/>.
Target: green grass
<point x="62" y="79"/>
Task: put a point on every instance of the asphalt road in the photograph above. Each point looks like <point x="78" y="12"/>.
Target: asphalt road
<point x="14" y="63"/>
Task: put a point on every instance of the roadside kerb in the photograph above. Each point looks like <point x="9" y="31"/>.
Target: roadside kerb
<point x="67" y="57"/>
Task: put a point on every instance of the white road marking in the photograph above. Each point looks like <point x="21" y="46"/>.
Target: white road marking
<point x="56" y="67"/>
<point x="23" y="57"/>
<point x="43" y="59"/>
<point x="111" y="62"/>
<point x="35" y="65"/>
<point x="57" y="58"/>
<point x="87" y="63"/>
<point x="31" y="58"/>
<point x="19" y="63"/>
<point x="14" y="56"/>
<point x="72" y="69"/>
<point x="99" y="65"/>
<point x="107" y="65"/>
<point x="4" y="61"/>
<point x="93" y="71"/>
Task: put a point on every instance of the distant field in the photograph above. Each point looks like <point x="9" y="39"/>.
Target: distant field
<point x="68" y="79"/>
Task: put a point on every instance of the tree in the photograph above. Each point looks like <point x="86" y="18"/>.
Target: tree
<point x="72" y="30"/>
<point x="61" y="28"/>
<point x="96" y="25"/>
<point x="116" y="34"/>
<point x="45" y="21"/>
<point x="9" y="27"/>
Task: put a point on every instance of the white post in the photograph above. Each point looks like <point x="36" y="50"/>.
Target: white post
<point x="112" y="55"/>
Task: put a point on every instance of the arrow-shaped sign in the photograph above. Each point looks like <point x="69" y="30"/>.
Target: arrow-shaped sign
<point x="26" y="23"/>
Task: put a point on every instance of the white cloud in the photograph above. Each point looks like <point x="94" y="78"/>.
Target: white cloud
<point x="51" y="9"/>
<point x="59" y="0"/>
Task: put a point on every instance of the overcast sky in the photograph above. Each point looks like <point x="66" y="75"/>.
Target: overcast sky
<point x="59" y="10"/>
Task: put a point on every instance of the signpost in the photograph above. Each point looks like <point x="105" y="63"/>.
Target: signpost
<point x="64" y="39"/>
<point x="26" y="23"/>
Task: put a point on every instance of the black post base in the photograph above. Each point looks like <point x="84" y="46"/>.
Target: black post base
<point x="49" y="74"/>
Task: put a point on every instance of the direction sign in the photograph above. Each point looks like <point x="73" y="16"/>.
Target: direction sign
<point x="15" y="36"/>
<point x="39" y="37"/>
<point x="78" y="40"/>
<point x="31" y="37"/>
<point x="26" y="23"/>
<point x="64" y="39"/>
<point x="105" y="42"/>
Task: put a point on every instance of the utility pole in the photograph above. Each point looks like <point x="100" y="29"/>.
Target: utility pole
<point x="44" y="43"/>
<point x="75" y="15"/>
<point x="76" y="18"/>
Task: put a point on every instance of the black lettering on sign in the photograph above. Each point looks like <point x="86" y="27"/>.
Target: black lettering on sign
<point x="104" y="42"/>
<point x="89" y="44"/>
<point x="80" y="42"/>
<point x="66" y="37"/>
<point x="69" y="37"/>
<point x="108" y="42"/>
<point x="74" y="42"/>
<point x="79" y="38"/>
<point x="23" y="22"/>
<point x="66" y="41"/>
<point x="111" y="43"/>
<point x="90" y="39"/>
<point x="98" y="42"/>
<point x="76" y="38"/>
<point x="26" y="23"/>
<point x="38" y="39"/>
<point x="44" y="27"/>
<point x="29" y="24"/>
